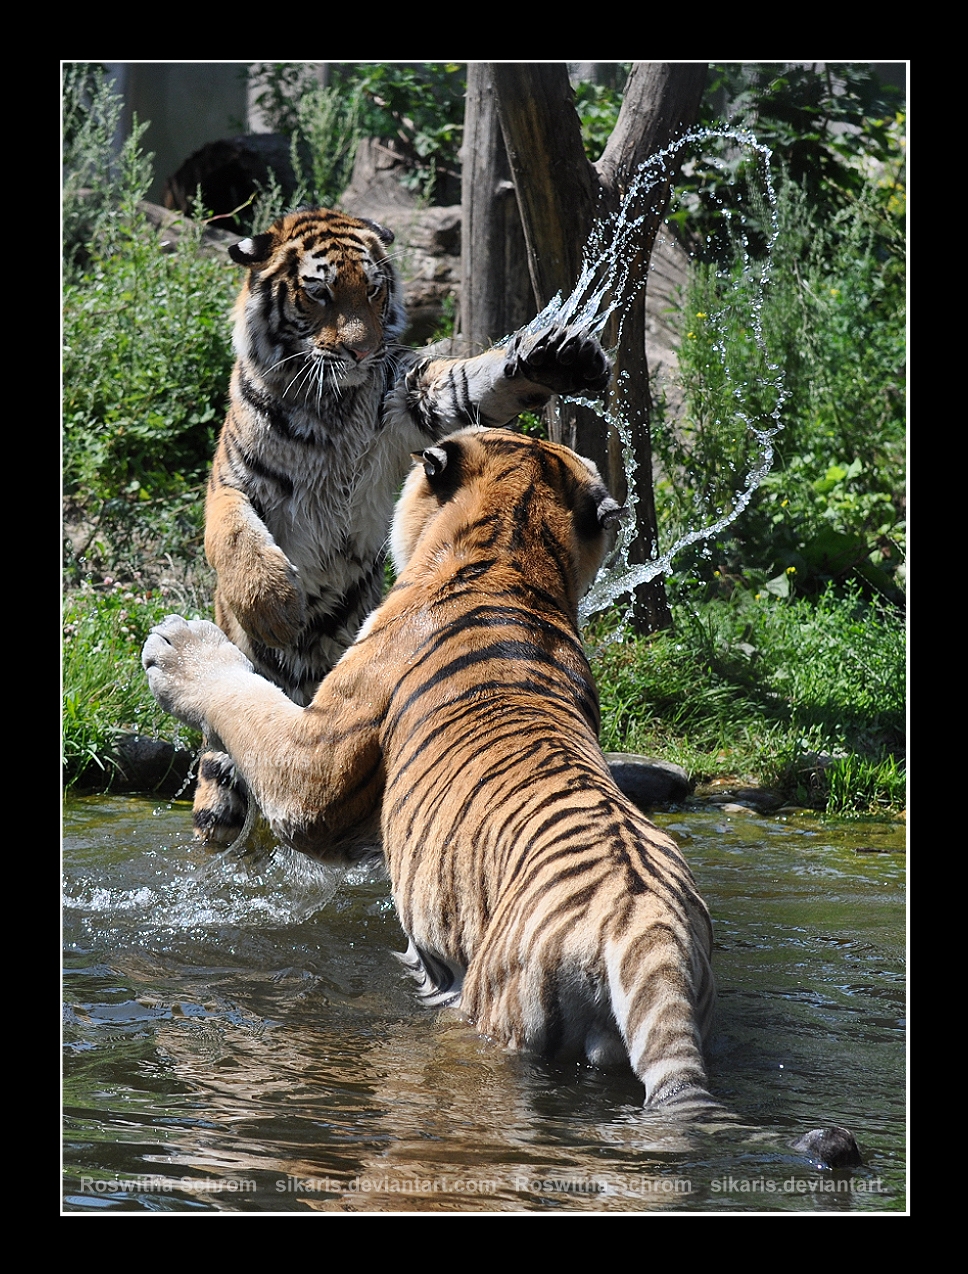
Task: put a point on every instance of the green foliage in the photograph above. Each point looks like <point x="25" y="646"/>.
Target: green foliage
<point x="98" y="187"/>
<point x="146" y="349"/>
<point x="828" y="125"/>
<point x="806" y="695"/>
<point x="277" y="89"/>
<point x="833" y="323"/>
<point x="598" y="106"/>
<point x="420" y="106"/>
<point x="105" y="691"/>
<point x="146" y="366"/>
<point x="830" y="129"/>
<point x="324" y="124"/>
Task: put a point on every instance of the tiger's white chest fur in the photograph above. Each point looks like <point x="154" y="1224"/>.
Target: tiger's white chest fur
<point x="322" y="477"/>
<point x="344" y="472"/>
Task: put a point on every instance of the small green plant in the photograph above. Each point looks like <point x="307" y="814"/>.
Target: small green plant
<point x="105" y="691"/>
<point x="857" y="787"/>
<point x="97" y="182"/>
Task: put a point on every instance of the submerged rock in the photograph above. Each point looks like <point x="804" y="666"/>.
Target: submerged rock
<point x="830" y="1148"/>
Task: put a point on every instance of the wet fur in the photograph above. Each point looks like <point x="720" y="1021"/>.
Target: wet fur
<point x="462" y="725"/>
<point x="325" y="409"/>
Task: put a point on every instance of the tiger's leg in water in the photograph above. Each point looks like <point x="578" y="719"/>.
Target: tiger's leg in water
<point x="257" y="598"/>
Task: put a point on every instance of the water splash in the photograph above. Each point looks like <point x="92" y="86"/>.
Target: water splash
<point x="606" y="288"/>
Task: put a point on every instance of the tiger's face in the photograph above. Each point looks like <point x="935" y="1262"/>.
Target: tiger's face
<point x="321" y="302"/>
<point x="556" y="498"/>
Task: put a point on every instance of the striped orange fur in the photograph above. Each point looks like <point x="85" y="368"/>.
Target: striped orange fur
<point x="537" y="899"/>
<point x="325" y="408"/>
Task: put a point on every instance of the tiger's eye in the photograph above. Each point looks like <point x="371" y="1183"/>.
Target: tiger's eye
<point x="317" y="291"/>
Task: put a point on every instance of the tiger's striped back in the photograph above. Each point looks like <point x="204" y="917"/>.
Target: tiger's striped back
<point x="537" y="898"/>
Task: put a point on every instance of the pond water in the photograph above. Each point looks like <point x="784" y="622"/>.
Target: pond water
<point x="247" y="1043"/>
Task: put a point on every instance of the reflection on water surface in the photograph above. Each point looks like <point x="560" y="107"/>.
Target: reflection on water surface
<point x="245" y="1043"/>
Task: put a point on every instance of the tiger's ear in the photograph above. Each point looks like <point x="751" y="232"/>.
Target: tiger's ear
<point x="251" y="251"/>
<point x="443" y="467"/>
<point x="434" y="461"/>
<point x="610" y="513"/>
<point x="382" y="233"/>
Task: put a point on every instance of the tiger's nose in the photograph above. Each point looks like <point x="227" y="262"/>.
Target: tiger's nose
<point x="358" y="352"/>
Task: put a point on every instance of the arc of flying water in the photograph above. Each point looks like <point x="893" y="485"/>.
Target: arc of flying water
<point x="605" y="288"/>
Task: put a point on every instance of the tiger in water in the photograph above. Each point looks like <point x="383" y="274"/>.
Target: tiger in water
<point x="460" y="731"/>
<point x="325" y="408"/>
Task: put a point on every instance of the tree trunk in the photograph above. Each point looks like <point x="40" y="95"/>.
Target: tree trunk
<point x="495" y="293"/>
<point x="560" y="194"/>
<point x="557" y="190"/>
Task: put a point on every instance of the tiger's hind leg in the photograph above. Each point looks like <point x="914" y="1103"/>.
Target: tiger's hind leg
<point x="221" y="801"/>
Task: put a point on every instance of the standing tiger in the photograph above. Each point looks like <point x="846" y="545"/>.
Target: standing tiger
<point x="463" y="724"/>
<point x="324" y="412"/>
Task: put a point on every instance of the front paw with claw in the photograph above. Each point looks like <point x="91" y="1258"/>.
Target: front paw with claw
<point x="181" y="659"/>
<point x="566" y="360"/>
<point x="264" y="595"/>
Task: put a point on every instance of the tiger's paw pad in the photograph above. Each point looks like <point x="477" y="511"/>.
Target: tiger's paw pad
<point x="566" y="360"/>
<point x="220" y="805"/>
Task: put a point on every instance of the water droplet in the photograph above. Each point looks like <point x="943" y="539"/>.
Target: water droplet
<point x="606" y="288"/>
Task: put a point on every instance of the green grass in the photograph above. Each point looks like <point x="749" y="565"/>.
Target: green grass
<point x="105" y="691"/>
<point x="805" y="696"/>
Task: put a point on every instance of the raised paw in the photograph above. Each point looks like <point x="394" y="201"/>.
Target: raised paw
<point x="181" y="658"/>
<point x="566" y="360"/>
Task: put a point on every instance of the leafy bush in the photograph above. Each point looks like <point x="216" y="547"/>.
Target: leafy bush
<point x="420" y="106"/>
<point x="833" y="321"/>
<point x="830" y="128"/>
<point x="146" y="346"/>
<point x="324" y="124"/>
